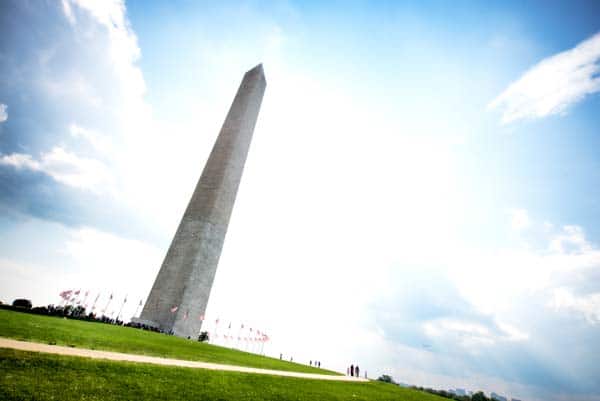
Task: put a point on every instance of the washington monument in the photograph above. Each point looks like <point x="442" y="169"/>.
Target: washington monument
<point x="179" y="296"/>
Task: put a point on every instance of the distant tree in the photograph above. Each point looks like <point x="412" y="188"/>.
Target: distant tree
<point x="386" y="379"/>
<point x="22" y="303"/>
<point x="479" y="396"/>
<point x="203" y="337"/>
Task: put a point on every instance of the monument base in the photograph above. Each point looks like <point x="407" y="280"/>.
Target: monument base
<point x="145" y="322"/>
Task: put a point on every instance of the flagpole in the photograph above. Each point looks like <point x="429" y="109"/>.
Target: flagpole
<point x="107" y="304"/>
<point x="122" y="305"/>
<point x="239" y="338"/>
<point x="95" y="301"/>
<point x="137" y="308"/>
<point x="216" y="328"/>
<point x="85" y="298"/>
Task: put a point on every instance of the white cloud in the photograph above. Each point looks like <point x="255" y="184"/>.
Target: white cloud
<point x="66" y="168"/>
<point x="86" y="259"/>
<point x="467" y="334"/>
<point x="587" y="305"/>
<point x="3" y="112"/>
<point x="108" y="263"/>
<point x="68" y="11"/>
<point x="100" y="142"/>
<point x="563" y="258"/>
<point x="570" y="240"/>
<point x="20" y="161"/>
<point x="123" y="49"/>
<point x="519" y="219"/>
<point x="554" y="84"/>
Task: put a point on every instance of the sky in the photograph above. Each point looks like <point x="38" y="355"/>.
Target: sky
<point x="421" y="196"/>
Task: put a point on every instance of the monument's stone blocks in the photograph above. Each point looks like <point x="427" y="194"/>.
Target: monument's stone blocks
<point x="180" y="292"/>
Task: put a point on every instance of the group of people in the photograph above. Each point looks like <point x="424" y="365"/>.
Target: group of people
<point x="317" y="364"/>
<point x="353" y="371"/>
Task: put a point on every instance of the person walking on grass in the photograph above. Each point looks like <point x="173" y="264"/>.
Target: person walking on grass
<point x="356" y="371"/>
<point x="352" y="370"/>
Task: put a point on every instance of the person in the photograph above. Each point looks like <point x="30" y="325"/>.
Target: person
<point x="347" y="371"/>
<point x="280" y="356"/>
<point x="356" y="371"/>
<point x="319" y="364"/>
<point x="310" y="362"/>
<point x="351" y="370"/>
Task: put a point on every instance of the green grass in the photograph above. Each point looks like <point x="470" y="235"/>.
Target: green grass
<point x="34" y="376"/>
<point x="74" y="333"/>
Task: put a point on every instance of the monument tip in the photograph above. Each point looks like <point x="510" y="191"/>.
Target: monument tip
<point x="256" y="69"/>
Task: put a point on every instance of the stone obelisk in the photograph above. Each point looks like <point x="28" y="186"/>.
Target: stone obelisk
<point x="180" y="292"/>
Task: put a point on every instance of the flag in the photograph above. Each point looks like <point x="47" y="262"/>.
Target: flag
<point x="66" y="294"/>
<point x="174" y="308"/>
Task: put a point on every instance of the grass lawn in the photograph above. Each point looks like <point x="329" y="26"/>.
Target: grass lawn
<point x="34" y="376"/>
<point x="75" y="333"/>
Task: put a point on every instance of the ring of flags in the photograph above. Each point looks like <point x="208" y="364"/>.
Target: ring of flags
<point x="252" y="335"/>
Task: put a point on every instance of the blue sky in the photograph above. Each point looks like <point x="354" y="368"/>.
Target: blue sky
<point x="420" y="196"/>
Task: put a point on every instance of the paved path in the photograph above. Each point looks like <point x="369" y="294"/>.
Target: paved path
<point x="118" y="356"/>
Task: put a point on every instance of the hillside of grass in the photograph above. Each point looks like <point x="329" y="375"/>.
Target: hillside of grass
<point x="34" y="376"/>
<point x="81" y="334"/>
